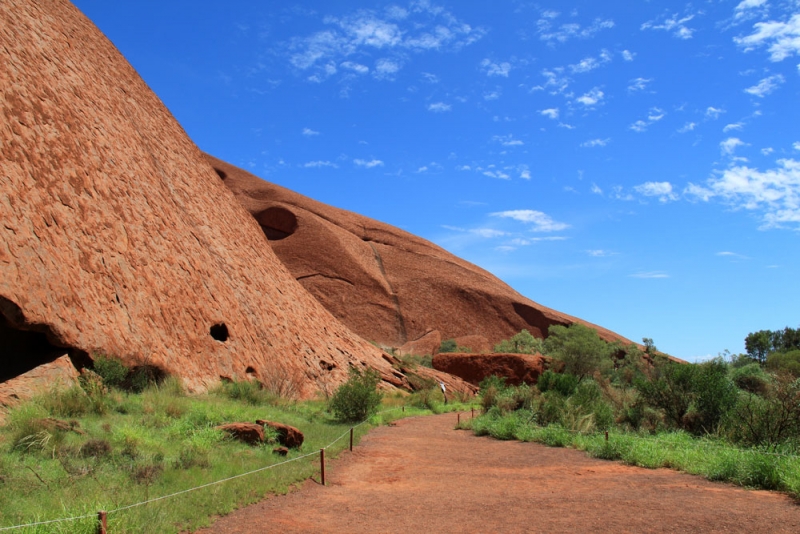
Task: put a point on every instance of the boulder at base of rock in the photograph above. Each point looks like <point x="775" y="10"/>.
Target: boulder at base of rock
<point x="58" y="374"/>
<point x="473" y="368"/>
<point x="424" y="377"/>
<point x="249" y="433"/>
<point x="282" y="451"/>
<point x="288" y="436"/>
<point x="426" y="345"/>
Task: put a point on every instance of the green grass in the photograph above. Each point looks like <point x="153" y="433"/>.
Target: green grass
<point x="134" y="447"/>
<point x="709" y="458"/>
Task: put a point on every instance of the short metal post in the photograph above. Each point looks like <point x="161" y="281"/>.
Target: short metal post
<point x="322" y="464"/>
<point x="102" y="527"/>
<point x="473" y="412"/>
<point x="459" y="419"/>
<point x="404" y="409"/>
<point x="351" y="439"/>
<point x="606" y="436"/>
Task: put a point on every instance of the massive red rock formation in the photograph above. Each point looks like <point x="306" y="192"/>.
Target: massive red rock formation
<point x="117" y="237"/>
<point x="387" y="285"/>
<point x="516" y="368"/>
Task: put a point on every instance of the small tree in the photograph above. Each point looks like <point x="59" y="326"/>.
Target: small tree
<point x="358" y="398"/>
<point x="580" y="348"/>
<point x="522" y="343"/>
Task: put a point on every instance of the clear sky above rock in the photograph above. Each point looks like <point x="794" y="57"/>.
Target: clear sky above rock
<point x="636" y="164"/>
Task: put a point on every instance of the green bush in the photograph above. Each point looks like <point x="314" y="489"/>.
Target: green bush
<point x="490" y="389"/>
<point x="448" y="345"/>
<point x="751" y="378"/>
<point x="580" y="348"/>
<point x="111" y="370"/>
<point x="522" y="343"/>
<point x="358" y="398"/>
<point x="564" y="383"/>
<point x="785" y="362"/>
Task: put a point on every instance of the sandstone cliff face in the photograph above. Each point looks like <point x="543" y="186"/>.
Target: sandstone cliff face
<point x="387" y="285"/>
<point x="116" y="236"/>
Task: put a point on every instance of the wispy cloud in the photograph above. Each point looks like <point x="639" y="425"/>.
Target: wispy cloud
<point x="318" y="164"/>
<point x="439" y="107"/>
<point x="688" y="127"/>
<point x="507" y="140"/>
<point x="729" y="145"/>
<point x="782" y="39"/>
<point x="627" y="55"/>
<point x="734" y="255"/>
<point x="496" y="69"/>
<point x="662" y="190"/>
<point x="308" y="132"/>
<point x="713" y="113"/>
<point x="674" y="23"/>
<point x="654" y="115"/>
<point x="590" y="63"/>
<point x="596" y="189"/>
<point x="551" y="113"/>
<point x="423" y="27"/>
<point x="774" y="192"/>
<point x="638" y="84"/>
<point x="540" y="222"/>
<point x="733" y="126"/>
<point x="767" y="85"/>
<point x="598" y="253"/>
<point x="368" y="164"/>
<point x="592" y="98"/>
<point x="552" y="33"/>
<point x="595" y="143"/>
<point x="650" y="275"/>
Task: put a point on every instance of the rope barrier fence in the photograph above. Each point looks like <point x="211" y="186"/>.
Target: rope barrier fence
<point x="101" y="515"/>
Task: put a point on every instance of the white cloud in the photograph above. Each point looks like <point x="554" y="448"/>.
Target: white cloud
<point x="550" y="33"/>
<point x="496" y="69"/>
<point x="767" y="151"/>
<point x="675" y="24"/>
<point x="424" y="168"/>
<point x="767" y="85"/>
<point x="728" y="146"/>
<point x="662" y="190"/>
<point x="591" y="98"/>
<point x="494" y="95"/>
<point x="551" y="113"/>
<point x="487" y="232"/>
<point x="596" y="189"/>
<point x="655" y="114"/>
<point x="430" y="78"/>
<point x="638" y="84"/>
<point x="507" y="140"/>
<point x="595" y="143"/>
<point x="590" y="63"/>
<point x="733" y="126"/>
<point x="308" y="132"/>
<point x="424" y="27"/>
<point x="368" y="164"/>
<point x="541" y="222"/>
<point x="355" y="67"/>
<point x="775" y="192"/>
<point x="525" y="174"/>
<point x="500" y="175"/>
<point x="627" y="55"/>
<point x="796" y="145"/>
<point x="598" y="253"/>
<point x="463" y="168"/>
<point x="713" y="113"/>
<point x="318" y="164"/>
<point x="650" y="275"/>
<point x="782" y="39"/>
<point x="688" y="127"/>
<point x="439" y="107"/>
<point x="639" y="126"/>
<point x="727" y="254"/>
<point x="386" y="68"/>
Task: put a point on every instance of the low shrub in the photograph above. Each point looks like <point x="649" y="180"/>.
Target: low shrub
<point x="564" y="383"/>
<point x="357" y="398"/>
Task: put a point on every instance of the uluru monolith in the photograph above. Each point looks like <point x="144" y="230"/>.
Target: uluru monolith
<point x="387" y="285"/>
<point x="118" y="238"/>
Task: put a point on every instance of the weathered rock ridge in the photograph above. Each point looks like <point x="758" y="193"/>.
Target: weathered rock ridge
<point x="387" y="285"/>
<point x="116" y="235"/>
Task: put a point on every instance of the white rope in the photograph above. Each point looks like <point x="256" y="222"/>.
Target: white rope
<point x="15" y="527"/>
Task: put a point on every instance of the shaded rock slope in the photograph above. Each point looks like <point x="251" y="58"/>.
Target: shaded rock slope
<point x="117" y="237"/>
<point x="387" y="285"/>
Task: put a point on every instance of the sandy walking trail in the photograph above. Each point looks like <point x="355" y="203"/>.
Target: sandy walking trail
<point x="422" y="475"/>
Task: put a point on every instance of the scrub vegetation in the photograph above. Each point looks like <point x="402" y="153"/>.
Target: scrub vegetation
<point x="124" y="436"/>
<point x="733" y="418"/>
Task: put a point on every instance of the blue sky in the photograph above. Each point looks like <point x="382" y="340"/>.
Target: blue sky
<point x="636" y="164"/>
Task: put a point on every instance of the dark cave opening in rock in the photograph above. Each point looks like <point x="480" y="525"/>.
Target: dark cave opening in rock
<point x="24" y="349"/>
<point x="277" y="222"/>
<point x="222" y="174"/>
<point x="219" y="332"/>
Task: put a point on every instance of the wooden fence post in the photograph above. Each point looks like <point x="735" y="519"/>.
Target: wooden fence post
<point x="322" y="464"/>
<point x="351" y="439"/>
<point x="102" y="525"/>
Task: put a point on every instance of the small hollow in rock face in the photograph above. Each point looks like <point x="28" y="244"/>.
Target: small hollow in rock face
<point x="219" y="332"/>
<point x="221" y="174"/>
<point x="250" y="372"/>
<point x="277" y="223"/>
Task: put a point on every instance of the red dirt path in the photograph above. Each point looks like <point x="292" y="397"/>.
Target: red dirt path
<point x="423" y="475"/>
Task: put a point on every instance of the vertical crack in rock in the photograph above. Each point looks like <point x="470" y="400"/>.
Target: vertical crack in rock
<point x="401" y="323"/>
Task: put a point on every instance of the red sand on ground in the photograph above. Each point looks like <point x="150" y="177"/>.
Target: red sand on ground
<point x="423" y="475"/>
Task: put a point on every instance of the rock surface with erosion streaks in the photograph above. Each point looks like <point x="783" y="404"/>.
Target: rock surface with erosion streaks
<point x="117" y="236"/>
